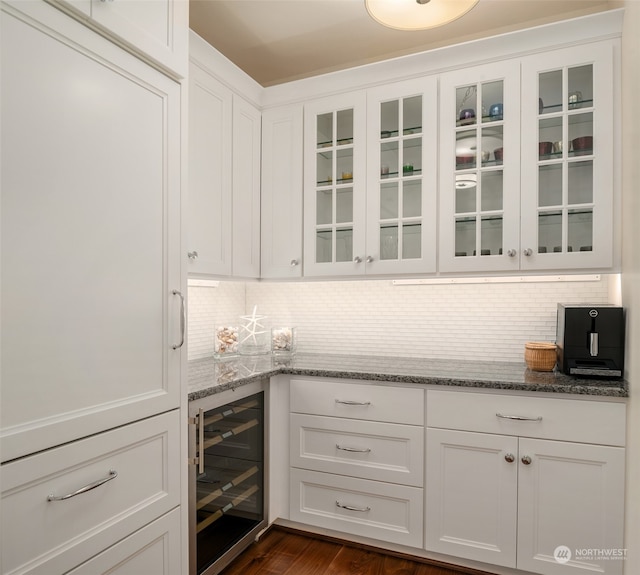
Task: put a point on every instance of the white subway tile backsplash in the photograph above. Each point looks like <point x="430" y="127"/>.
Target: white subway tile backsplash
<point x="373" y="317"/>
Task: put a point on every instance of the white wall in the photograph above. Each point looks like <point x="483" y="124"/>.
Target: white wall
<point x="373" y="317"/>
<point x="631" y="271"/>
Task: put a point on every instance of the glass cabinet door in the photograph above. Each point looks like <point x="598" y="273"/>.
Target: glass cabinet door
<point x="567" y="151"/>
<point x="480" y="156"/>
<point x="334" y="176"/>
<point x="401" y="177"/>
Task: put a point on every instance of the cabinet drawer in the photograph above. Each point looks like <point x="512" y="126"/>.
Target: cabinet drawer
<point x="358" y="401"/>
<point x="391" y="513"/>
<point x="154" y="549"/>
<point x="577" y="420"/>
<point x="367" y="449"/>
<point x="40" y="536"/>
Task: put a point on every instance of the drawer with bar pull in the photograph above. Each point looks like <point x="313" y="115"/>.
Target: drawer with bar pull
<point x="584" y="421"/>
<point x="358" y="401"/>
<point x="62" y="506"/>
<point x="368" y="449"/>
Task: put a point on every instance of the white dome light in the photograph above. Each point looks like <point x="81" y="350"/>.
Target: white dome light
<point x="417" y="14"/>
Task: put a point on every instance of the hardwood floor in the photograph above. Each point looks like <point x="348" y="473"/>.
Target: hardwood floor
<point x="283" y="551"/>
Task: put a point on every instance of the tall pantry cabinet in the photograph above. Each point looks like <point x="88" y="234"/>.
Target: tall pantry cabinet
<point x="93" y="316"/>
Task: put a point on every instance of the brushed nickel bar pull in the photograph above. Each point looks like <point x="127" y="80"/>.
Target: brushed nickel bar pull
<point x="350" y="508"/>
<point x="353" y="449"/>
<point x="348" y="402"/>
<point x="518" y="417"/>
<point x="112" y="475"/>
<point x="200" y="455"/>
<point x="183" y="319"/>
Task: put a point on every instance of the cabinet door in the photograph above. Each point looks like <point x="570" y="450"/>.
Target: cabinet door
<point x="570" y="496"/>
<point x="471" y="492"/>
<point x="401" y="177"/>
<point x="567" y="159"/>
<point x="246" y="189"/>
<point x="281" y="201"/>
<point x="158" y="29"/>
<point x="334" y="185"/>
<point x="210" y="193"/>
<point x="90" y="233"/>
<point x="480" y="168"/>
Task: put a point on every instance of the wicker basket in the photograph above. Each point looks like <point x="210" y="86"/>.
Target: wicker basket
<point x="540" y="355"/>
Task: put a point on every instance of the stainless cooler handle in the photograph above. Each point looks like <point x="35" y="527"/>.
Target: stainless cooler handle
<point x="593" y="344"/>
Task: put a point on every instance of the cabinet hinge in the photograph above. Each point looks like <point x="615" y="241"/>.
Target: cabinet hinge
<point x="192" y="421"/>
<point x="193" y="460"/>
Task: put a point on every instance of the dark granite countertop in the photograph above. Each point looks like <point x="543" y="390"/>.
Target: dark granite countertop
<point x="208" y="376"/>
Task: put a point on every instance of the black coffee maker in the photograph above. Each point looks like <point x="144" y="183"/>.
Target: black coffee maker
<point x="590" y="340"/>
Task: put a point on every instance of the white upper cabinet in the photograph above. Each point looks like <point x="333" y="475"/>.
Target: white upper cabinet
<point x="370" y="181"/>
<point x="210" y="170"/>
<point x="401" y="177"/>
<point x="334" y="185"/>
<point x="567" y="159"/>
<point x="526" y="165"/>
<point x="281" y="193"/>
<point x="224" y="180"/>
<point x="480" y="168"/>
<point x="156" y="29"/>
<point x="246" y="189"/>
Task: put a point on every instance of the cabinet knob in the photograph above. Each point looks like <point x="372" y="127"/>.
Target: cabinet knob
<point x="526" y="460"/>
<point x="193" y="255"/>
<point x="293" y="263"/>
<point x="357" y="260"/>
<point x="512" y="253"/>
<point x="369" y="259"/>
<point x="510" y="457"/>
<point x="527" y="252"/>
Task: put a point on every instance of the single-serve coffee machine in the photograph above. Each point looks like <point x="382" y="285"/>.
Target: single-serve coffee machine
<point x="590" y="340"/>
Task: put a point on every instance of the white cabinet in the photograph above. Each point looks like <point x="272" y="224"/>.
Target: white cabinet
<point x="356" y="456"/>
<point x="130" y="476"/>
<point x="568" y="149"/>
<point x="156" y="29"/>
<point x="281" y="193"/>
<point x="91" y="264"/>
<point x="526" y="166"/>
<point x="401" y="177"/>
<point x="224" y="180"/>
<point x="210" y="193"/>
<point x="246" y="189"/>
<point x="334" y="185"/>
<point x="92" y="305"/>
<point x="370" y="181"/>
<point x="511" y="479"/>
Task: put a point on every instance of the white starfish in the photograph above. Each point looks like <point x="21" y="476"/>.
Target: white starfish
<point x="253" y="325"/>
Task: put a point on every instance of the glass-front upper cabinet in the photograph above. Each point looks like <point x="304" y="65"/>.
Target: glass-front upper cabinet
<point x="567" y="159"/>
<point x="334" y="176"/>
<point x="401" y="177"/>
<point x="480" y="168"/>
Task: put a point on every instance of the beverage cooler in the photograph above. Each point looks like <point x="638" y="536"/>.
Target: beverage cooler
<point x="226" y="478"/>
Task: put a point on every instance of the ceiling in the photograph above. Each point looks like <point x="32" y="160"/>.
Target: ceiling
<point x="276" y="41"/>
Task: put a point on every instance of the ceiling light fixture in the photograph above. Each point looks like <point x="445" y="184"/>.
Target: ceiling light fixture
<point x="417" y="14"/>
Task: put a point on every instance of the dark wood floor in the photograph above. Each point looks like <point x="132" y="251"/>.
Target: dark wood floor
<point x="283" y="551"/>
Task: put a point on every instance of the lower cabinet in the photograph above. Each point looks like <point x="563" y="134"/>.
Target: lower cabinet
<point x="540" y="505"/>
<point x="154" y="549"/>
<point x="357" y="459"/>
<point x="67" y="505"/>
<point x="384" y="511"/>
